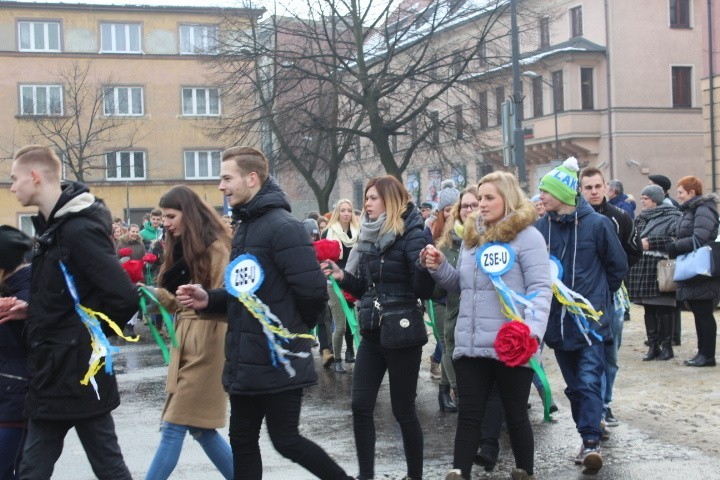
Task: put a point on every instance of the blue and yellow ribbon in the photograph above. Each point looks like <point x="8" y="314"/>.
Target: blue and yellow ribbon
<point x="101" y="347"/>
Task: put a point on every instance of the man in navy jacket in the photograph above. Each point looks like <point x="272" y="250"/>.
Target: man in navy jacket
<point x="593" y="265"/>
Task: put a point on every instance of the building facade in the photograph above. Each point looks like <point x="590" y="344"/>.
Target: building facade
<point x="136" y="84"/>
<point x="614" y="83"/>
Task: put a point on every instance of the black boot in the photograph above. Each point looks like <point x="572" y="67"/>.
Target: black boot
<point x="677" y="327"/>
<point x="667" y="321"/>
<point x="652" y="353"/>
<point x="651" y="328"/>
<point x="445" y="401"/>
<point x="339" y="367"/>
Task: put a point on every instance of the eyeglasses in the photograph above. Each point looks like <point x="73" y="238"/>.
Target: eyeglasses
<point x="471" y="206"/>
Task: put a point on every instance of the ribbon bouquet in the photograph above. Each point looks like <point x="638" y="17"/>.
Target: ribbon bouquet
<point x="514" y="344"/>
<point x="243" y="278"/>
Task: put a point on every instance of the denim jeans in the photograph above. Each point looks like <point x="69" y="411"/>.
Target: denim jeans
<point x="403" y="366"/>
<point x="44" y="445"/>
<point x="11" y="447"/>
<point x="611" y="355"/>
<point x="583" y="370"/>
<point x="168" y="452"/>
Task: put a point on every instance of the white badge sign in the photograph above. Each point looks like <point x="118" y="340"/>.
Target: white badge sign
<point x="243" y="275"/>
<point x="495" y="259"/>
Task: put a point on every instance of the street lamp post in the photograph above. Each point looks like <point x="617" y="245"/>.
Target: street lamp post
<point x="531" y="74"/>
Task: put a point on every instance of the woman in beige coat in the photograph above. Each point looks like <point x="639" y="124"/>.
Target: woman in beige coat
<point x="197" y="249"/>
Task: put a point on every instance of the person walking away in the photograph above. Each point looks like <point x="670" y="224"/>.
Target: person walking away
<point x="593" y="265"/>
<point x="294" y="289"/>
<point x="196" y="402"/>
<point x="657" y="224"/>
<point x="698" y="226"/>
<point x="73" y="229"/>
<point x="14" y="286"/>
<point x="385" y="261"/>
<point x="506" y="220"/>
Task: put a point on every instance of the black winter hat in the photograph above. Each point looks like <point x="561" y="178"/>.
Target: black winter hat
<point x="662" y="181"/>
<point x="13" y="246"/>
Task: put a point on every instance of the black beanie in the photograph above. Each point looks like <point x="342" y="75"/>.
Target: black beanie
<point x="13" y="246"/>
<point x="661" y="180"/>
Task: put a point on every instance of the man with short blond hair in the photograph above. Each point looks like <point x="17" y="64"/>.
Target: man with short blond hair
<point x="74" y="230"/>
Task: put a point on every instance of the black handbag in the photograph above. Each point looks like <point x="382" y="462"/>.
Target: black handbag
<point x="400" y="318"/>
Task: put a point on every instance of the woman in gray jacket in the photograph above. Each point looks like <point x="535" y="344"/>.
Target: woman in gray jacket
<point x="506" y="217"/>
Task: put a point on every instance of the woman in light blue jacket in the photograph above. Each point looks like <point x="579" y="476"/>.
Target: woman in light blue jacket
<point x="506" y="217"/>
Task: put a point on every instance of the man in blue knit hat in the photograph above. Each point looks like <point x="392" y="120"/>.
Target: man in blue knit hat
<point x="592" y="263"/>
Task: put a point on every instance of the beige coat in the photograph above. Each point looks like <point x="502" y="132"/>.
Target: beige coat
<point x="195" y="393"/>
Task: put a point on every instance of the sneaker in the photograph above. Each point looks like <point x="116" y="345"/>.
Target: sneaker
<point x="520" y="474"/>
<point x="610" y="420"/>
<point x="604" y="432"/>
<point x="590" y="453"/>
<point x="454" y="474"/>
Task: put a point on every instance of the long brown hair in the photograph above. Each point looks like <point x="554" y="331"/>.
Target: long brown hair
<point x="202" y="227"/>
<point x="395" y="197"/>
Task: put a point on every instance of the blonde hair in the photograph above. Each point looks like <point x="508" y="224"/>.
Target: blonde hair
<point x="335" y="216"/>
<point x="42" y="157"/>
<point x="396" y="199"/>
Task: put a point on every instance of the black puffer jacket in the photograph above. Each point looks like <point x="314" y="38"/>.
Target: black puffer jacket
<point x="13" y="354"/>
<point x="700" y="219"/>
<point x="294" y="288"/>
<point x="78" y="234"/>
<point x="395" y="271"/>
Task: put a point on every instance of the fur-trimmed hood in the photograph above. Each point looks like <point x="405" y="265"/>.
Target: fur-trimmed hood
<point x="503" y="231"/>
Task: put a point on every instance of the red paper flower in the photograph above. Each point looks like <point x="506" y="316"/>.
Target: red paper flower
<point x="149" y="258"/>
<point x="514" y="345"/>
<point x="125" y="252"/>
<point x="327" y="250"/>
<point x="134" y="270"/>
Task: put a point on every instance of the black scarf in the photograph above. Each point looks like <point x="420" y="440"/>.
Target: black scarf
<point x="178" y="274"/>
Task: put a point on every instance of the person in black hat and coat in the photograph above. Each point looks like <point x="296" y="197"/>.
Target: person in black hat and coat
<point x="14" y="286"/>
<point x="664" y="182"/>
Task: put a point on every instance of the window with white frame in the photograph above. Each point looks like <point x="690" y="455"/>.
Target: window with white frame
<point x="121" y="38"/>
<point x="123" y="101"/>
<point x="41" y="100"/>
<point x="201" y="164"/>
<point x="198" y="39"/>
<point x="39" y="36"/>
<point x="125" y="165"/>
<point x="200" y="101"/>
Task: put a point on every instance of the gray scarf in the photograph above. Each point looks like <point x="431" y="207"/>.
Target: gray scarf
<point x="369" y="239"/>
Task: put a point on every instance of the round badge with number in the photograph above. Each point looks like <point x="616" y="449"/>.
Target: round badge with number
<point x="556" y="268"/>
<point x="495" y="258"/>
<point x="243" y="275"/>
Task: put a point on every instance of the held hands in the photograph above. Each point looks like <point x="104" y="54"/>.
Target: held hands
<point x="330" y="268"/>
<point x="192" y="296"/>
<point x="12" y="309"/>
<point x="431" y="258"/>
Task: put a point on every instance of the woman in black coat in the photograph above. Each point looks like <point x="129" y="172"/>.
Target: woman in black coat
<point x="14" y="285"/>
<point x="386" y="258"/>
<point x="699" y="223"/>
<point x="656" y="226"/>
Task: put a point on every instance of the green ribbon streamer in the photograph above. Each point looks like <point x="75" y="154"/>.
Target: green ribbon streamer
<point x="431" y="323"/>
<point x="349" y="313"/>
<point x="145" y="295"/>
<point x="546" y="385"/>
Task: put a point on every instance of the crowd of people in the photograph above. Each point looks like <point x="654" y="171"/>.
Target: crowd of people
<point x="496" y="274"/>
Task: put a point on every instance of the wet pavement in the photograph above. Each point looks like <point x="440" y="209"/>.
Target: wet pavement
<point x="631" y="453"/>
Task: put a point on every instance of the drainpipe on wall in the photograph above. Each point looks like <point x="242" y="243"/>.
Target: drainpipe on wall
<point x="713" y="158"/>
<point x="611" y="153"/>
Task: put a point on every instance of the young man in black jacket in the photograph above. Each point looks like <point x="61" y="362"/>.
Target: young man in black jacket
<point x="73" y="227"/>
<point x="593" y="188"/>
<point x="295" y="290"/>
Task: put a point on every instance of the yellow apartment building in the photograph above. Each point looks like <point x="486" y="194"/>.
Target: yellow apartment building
<point x="148" y="99"/>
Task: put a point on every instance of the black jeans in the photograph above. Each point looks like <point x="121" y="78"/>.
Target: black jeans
<point x="44" y="445"/>
<point x="281" y="412"/>
<point x="403" y="367"/>
<point x="705" y="326"/>
<point x="475" y="380"/>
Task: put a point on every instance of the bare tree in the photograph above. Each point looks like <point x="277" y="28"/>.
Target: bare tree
<point x="83" y="133"/>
